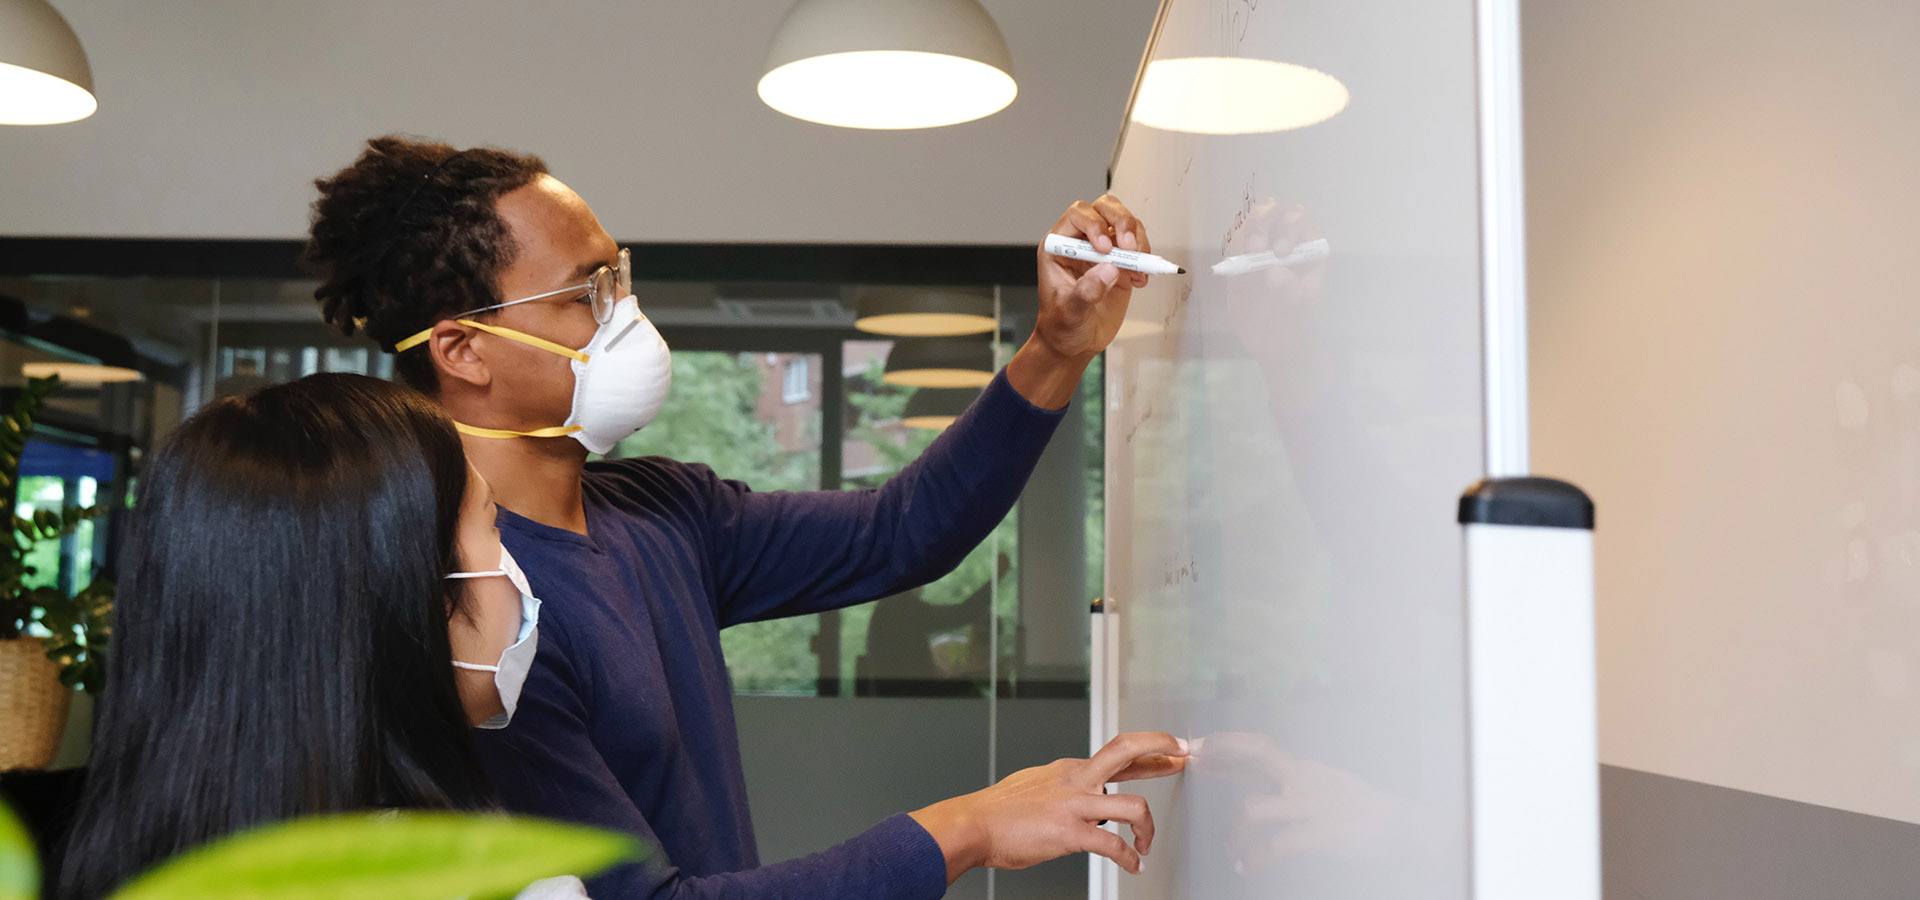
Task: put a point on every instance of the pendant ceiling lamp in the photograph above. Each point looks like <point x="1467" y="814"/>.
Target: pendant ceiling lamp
<point x="940" y="363"/>
<point x="923" y="312"/>
<point x="888" y="64"/>
<point x="934" y="409"/>
<point x="44" y="76"/>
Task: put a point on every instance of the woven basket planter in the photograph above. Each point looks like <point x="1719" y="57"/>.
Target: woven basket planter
<point x="33" y="705"/>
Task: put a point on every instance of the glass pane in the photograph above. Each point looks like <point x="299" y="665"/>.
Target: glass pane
<point x="937" y="640"/>
<point x="346" y="359"/>
<point x="81" y="566"/>
<point x="732" y="411"/>
<point x="1093" y="412"/>
<point x="56" y="475"/>
<point x="38" y="492"/>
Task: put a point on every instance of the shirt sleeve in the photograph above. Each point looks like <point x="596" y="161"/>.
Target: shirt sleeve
<point x="791" y="553"/>
<point x="545" y="764"/>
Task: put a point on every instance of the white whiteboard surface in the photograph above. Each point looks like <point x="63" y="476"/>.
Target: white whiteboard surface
<point x="1285" y="450"/>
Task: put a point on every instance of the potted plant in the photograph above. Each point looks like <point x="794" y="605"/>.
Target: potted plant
<point x="395" y="855"/>
<point x="50" y="643"/>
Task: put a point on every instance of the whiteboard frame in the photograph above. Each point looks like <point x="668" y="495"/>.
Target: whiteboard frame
<point x="1133" y="93"/>
<point x="1503" y="225"/>
<point x="1503" y="237"/>
<point x="1511" y="856"/>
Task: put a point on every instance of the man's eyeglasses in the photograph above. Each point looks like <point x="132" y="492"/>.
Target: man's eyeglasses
<point x="603" y="289"/>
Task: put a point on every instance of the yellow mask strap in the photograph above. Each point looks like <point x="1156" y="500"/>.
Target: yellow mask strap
<point x="553" y="431"/>
<point x="497" y="331"/>
<point x="512" y="335"/>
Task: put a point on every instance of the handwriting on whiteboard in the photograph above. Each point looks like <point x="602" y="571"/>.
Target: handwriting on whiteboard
<point x="1146" y="415"/>
<point x="1233" y="20"/>
<point x="1242" y="214"/>
<point x="1174" y="309"/>
<point x="1180" y="573"/>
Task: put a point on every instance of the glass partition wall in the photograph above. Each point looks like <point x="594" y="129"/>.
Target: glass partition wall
<point x="926" y="694"/>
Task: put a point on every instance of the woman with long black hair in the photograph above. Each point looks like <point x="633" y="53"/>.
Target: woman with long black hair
<point x="288" y="642"/>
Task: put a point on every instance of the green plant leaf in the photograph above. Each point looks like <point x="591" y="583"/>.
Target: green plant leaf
<point x="392" y="856"/>
<point x="19" y="869"/>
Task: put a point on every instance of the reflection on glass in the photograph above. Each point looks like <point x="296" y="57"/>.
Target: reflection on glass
<point x="1288" y="807"/>
<point x="934" y="640"/>
<point x="936" y="408"/>
<point x="1249" y="263"/>
<point x="79" y="373"/>
<point x="1229" y="95"/>
<point x="916" y="647"/>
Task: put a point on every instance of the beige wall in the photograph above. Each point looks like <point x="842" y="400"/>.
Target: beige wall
<point x="215" y="118"/>
<point x="1725" y="209"/>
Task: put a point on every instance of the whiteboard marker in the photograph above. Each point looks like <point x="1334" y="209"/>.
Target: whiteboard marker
<point x="1074" y="248"/>
<point x="1265" y="259"/>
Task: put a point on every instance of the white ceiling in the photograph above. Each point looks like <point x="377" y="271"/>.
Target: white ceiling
<point x="215" y="117"/>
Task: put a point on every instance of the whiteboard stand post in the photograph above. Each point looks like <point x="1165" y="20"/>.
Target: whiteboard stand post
<point x="1530" y="690"/>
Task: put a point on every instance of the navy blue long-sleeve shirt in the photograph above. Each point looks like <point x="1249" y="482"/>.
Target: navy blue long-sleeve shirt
<point x="626" y="721"/>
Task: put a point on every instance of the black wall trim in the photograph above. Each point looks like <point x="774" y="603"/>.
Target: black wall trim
<point x="149" y="257"/>
<point x="836" y="263"/>
<point x="1539" y="502"/>
<point x="959" y="264"/>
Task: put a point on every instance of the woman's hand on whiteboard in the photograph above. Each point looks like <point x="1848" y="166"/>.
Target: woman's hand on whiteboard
<point x="1051" y="811"/>
<point x="1081" y="304"/>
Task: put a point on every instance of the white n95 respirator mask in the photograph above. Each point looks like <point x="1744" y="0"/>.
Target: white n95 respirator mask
<point x="623" y="382"/>
<point x="510" y="672"/>
<point x="620" y="378"/>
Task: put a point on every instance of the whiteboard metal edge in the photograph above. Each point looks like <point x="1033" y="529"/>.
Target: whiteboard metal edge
<point x="1534" y="752"/>
<point x="1096" y="725"/>
<point x="1110" y="638"/>
<point x="1133" y="93"/>
<point x="1503" y="237"/>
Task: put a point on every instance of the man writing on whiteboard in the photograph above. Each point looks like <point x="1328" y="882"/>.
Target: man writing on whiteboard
<point x="504" y="299"/>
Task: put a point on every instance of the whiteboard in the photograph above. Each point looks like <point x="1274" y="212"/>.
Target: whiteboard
<point x="1285" y="449"/>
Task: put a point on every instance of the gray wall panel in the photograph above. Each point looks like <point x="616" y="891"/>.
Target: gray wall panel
<point x="1670" y="839"/>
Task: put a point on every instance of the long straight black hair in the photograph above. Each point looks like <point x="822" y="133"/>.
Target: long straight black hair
<point x="280" y="643"/>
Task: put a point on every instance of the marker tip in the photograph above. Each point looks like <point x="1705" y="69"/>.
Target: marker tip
<point x="1179" y="271"/>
